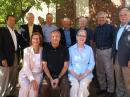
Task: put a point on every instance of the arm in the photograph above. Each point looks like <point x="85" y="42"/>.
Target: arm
<point x="26" y="64"/>
<point x="3" y="60"/>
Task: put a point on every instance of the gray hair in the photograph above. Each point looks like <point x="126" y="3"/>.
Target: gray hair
<point x="80" y="31"/>
<point x="101" y="13"/>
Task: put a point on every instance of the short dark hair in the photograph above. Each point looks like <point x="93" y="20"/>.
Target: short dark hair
<point x="8" y="17"/>
<point x="56" y="31"/>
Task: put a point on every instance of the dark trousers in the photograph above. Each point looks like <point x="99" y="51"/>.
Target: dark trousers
<point x="63" y="89"/>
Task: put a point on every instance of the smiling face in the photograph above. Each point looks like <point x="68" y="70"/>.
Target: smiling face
<point x="11" y="21"/>
<point x="55" y="38"/>
<point x="82" y="22"/>
<point x="101" y="18"/>
<point x="124" y="16"/>
<point x="35" y="40"/>
<point x="30" y="18"/>
<point x="81" y="37"/>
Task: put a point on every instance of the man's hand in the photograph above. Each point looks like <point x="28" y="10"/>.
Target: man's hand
<point x="35" y="85"/>
<point x="56" y="81"/>
<point x="4" y="63"/>
<point x="128" y="64"/>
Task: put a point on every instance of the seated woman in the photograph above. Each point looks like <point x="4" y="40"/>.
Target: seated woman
<point x="31" y="74"/>
<point x="80" y="66"/>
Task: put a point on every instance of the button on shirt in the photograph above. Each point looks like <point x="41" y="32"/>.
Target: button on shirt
<point x="120" y="31"/>
<point x="104" y="36"/>
<point x="81" y="60"/>
<point x="12" y="32"/>
<point x="67" y="37"/>
<point x="47" y="29"/>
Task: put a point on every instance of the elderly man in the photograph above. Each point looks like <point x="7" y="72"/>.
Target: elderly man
<point x="55" y="63"/>
<point x="26" y="30"/>
<point x="121" y="54"/>
<point x="83" y="23"/>
<point x="68" y="36"/>
<point x="48" y="28"/>
<point x="104" y="34"/>
<point x="9" y="54"/>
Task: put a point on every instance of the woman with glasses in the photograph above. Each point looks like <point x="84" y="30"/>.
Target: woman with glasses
<point x="80" y="66"/>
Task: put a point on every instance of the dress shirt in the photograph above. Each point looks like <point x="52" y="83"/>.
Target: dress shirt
<point x="119" y="33"/>
<point x="67" y="37"/>
<point x="30" y="30"/>
<point x="12" y="32"/>
<point x="47" y="29"/>
<point x="81" y="59"/>
<point x="104" y="35"/>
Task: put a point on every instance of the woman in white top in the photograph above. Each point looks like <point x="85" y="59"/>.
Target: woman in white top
<point x="31" y="74"/>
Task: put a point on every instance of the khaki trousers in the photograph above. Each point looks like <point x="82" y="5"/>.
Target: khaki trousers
<point x="79" y="89"/>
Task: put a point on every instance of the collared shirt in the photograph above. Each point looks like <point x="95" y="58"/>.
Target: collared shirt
<point x="119" y="33"/>
<point x="12" y="32"/>
<point x="81" y="59"/>
<point x="104" y="36"/>
<point x="30" y="30"/>
<point x="47" y="29"/>
<point x="55" y="58"/>
<point x="67" y="37"/>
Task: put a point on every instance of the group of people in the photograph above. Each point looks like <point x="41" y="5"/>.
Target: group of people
<point x="63" y="57"/>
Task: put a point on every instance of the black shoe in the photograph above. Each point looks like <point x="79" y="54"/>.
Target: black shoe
<point x="101" y="92"/>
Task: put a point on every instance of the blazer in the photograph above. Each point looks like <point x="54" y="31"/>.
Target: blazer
<point x="24" y="31"/>
<point x="7" y="48"/>
<point x="72" y="35"/>
<point x="123" y="52"/>
<point x="28" y="64"/>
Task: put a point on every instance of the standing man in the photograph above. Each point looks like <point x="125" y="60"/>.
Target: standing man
<point x="26" y="30"/>
<point x="68" y="35"/>
<point x="48" y="28"/>
<point x="55" y="63"/>
<point x="9" y="54"/>
<point x="104" y="34"/>
<point x="121" y="53"/>
<point x="83" y="23"/>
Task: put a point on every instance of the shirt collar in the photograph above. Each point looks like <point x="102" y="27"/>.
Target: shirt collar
<point x="10" y="29"/>
<point x="76" y="46"/>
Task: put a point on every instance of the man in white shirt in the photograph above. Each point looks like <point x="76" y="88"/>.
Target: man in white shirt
<point x="9" y="54"/>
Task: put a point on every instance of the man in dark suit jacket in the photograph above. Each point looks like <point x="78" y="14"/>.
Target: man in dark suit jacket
<point x="9" y="52"/>
<point x="68" y="34"/>
<point x="121" y="54"/>
<point x="29" y="28"/>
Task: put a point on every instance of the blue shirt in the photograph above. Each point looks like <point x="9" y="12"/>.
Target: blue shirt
<point x="104" y="35"/>
<point x="119" y="33"/>
<point x="81" y="59"/>
<point x="47" y="29"/>
<point x="67" y="37"/>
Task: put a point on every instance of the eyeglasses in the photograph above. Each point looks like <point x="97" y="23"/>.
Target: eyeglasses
<point x="83" y="36"/>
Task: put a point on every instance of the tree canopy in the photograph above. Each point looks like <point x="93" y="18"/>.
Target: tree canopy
<point x="20" y="7"/>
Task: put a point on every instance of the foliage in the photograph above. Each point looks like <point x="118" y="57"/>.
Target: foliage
<point x="20" y="7"/>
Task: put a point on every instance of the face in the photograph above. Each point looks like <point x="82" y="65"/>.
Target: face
<point x="101" y="19"/>
<point x="81" y="38"/>
<point x="82" y="22"/>
<point x="30" y="18"/>
<point x="66" y="23"/>
<point x="55" y="38"/>
<point x="124" y="16"/>
<point x="11" y="22"/>
<point x="49" y="19"/>
<point x="36" y="40"/>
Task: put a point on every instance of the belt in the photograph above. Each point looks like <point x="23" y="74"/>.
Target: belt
<point x="103" y="48"/>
